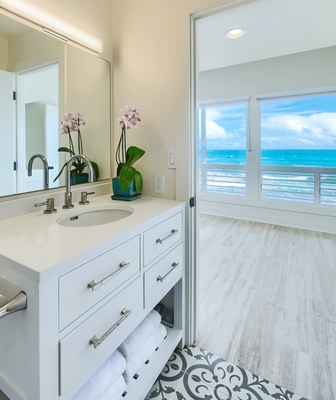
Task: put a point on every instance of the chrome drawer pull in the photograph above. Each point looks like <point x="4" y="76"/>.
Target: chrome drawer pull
<point x="97" y="342"/>
<point x="173" y="232"/>
<point x="174" y="265"/>
<point x="93" y="285"/>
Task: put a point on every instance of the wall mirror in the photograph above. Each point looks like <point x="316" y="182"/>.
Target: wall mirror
<point x="41" y="79"/>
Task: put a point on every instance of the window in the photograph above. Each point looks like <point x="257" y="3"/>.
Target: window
<point x="298" y="149"/>
<point x="299" y="132"/>
<point x="222" y="149"/>
<point x="223" y="134"/>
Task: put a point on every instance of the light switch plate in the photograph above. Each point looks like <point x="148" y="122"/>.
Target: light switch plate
<point x="171" y="159"/>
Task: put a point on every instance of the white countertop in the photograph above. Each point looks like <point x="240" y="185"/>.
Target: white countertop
<point x="36" y="246"/>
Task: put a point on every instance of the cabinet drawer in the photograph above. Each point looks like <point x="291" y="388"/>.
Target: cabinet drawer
<point x="162" y="276"/>
<point x="162" y="236"/>
<point x="76" y="352"/>
<point x="105" y="273"/>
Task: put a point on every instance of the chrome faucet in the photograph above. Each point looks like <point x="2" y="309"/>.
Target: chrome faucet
<point x="68" y="194"/>
<point x="45" y="166"/>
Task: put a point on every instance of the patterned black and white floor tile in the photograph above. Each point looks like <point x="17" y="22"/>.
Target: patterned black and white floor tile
<point x="195" y="374"/>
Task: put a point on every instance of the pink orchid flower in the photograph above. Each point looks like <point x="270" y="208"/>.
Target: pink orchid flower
<point x="128" y="117"/>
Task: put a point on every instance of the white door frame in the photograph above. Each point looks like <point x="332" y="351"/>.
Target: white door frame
<point x="192" y="215"/>
<point x="20" y="120"/>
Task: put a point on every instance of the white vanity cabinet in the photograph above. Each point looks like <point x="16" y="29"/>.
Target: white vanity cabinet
<point x="82" y="305"/>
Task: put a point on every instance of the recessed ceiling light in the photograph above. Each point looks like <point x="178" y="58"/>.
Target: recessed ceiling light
<point x="235" y="33"/>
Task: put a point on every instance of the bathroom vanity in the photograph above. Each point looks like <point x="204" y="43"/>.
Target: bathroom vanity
<point x="88" y="285"/>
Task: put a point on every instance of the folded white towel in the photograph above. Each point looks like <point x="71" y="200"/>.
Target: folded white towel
<point x="115" y="391"/>
<point x="140" y="335"/>
<point x="103" y="378"/>
<point x="144" y="352"/>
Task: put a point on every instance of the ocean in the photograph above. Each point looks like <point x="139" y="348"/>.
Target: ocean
<point x="297" y="158"/>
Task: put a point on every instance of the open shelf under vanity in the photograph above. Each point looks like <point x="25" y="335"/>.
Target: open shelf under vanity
<point x="146" y="376"/>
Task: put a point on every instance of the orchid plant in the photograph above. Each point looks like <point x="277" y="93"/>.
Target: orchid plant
<point x="128" y="119"/>
<point x="72" y="123"/>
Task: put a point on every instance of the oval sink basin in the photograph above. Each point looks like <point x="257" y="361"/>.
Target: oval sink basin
<point x="97" y="215"/>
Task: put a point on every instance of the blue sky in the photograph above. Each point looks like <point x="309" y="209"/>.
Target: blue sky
<point x="226" y="127"/>
<point x="303" y="123"/>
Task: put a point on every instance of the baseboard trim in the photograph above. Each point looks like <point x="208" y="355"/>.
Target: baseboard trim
<point x="293" y="219"/>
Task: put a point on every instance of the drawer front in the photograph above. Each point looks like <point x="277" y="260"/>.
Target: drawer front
<point x="162" y="276"/>
<point x="162" y="236"/>
<point x="76" y="352"/>
<point x="76" y="297"/>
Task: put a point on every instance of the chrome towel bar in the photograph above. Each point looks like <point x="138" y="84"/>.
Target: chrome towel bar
<point x="12" y="298"/>
<point x="18" y="303"/>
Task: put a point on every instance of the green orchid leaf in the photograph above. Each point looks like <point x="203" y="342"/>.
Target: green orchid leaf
<point x="67" y="150"/>
<point x="119" y="169"/>
<point x="77" y="167"/>
<point x="138" y="181"/>
<point x="60" y="172"/>
<point x="126" y="176"/>
<point x="133" y="154"/>
<point x="95" y="170"/>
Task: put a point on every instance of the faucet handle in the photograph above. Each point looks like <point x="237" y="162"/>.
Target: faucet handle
<point x="84" y="199"/>
<point x="50" y="203"/>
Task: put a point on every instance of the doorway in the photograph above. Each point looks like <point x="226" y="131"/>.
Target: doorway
<point x="266" y="261"/>
<point x="37" y="122"/>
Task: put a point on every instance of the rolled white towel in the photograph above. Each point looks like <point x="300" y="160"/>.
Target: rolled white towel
<point x="103" y="378"/>
<point x="140" y="335"/>
<point x="144" y="352"/>
<point x="116" y="390"/>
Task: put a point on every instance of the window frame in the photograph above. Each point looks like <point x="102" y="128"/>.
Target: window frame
<point x="222" y="102"/>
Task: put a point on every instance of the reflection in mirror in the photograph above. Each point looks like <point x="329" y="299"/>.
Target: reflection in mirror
<point x="39" y="114"/>
<point x="34" y="68"/>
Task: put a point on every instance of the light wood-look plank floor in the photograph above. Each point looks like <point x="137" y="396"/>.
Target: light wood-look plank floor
<point x="268" y="302"/>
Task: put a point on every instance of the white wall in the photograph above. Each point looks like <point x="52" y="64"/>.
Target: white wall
<point x="144" y="75"/>
<point x="3" y="53"/>
<point x="315" y="68"/>
<point x="41" y="85"/>
<point x="30" y="44"/>
<point x="304" y="70"/>
<point x="35" y="135"/>
<point x="88" y="94"/>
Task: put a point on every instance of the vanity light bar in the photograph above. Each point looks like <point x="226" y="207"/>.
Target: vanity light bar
<point x="55" y="24"/>
<point x="55" y="34"/>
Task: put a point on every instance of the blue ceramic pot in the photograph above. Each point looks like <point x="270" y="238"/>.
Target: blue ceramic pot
<point x="80" y="178"/>
<point x="126" y="195"/>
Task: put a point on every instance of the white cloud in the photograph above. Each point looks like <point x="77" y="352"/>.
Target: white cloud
<point x="316" y="129"/>
<point x="213" y="114"/>
<point x="214" y="131"/>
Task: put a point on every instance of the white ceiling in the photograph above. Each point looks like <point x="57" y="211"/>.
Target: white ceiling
<point x="274" y="28"/>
